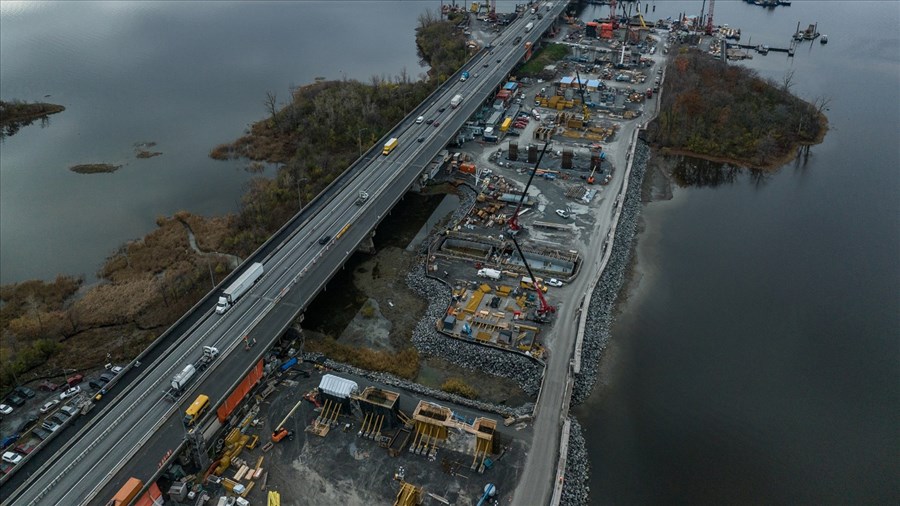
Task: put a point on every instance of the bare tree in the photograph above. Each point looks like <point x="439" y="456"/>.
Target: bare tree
<point x="271" y="103"/>
<point x="821" y="103"/>
<point x="787" y="81"/>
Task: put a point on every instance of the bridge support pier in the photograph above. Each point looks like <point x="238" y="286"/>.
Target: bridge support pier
<point x="368" y="244"/>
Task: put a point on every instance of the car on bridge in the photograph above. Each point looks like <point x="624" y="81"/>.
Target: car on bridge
<point x="324" y="239"/>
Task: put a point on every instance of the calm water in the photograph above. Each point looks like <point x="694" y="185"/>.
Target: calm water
<point x="187" y="75"/>
<point x="758" y="359"/>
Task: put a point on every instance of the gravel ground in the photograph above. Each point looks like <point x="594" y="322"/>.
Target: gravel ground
<point x="575" y="490"/>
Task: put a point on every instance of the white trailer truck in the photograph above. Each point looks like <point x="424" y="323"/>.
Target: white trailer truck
<point x="240" y="286"/>
<point x="489" y="273"/>
<point x="181" y="380"/>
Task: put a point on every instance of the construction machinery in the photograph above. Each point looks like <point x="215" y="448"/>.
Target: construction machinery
<point x="514" y="227"/>
<point x="590" y="179"/>
<point x="584" y="108"/>
<point x="281" y="432"/>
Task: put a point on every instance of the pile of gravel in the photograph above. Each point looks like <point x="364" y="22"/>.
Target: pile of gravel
<point x="599" y="319"/>
<point x="575" y="489"/>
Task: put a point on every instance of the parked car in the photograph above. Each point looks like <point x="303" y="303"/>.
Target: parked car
<point x="29" y="423"/>
<point x="69" y="410"/>
<point x="59" y="418"/>
<point x="49" y="386"/>
<point x="71" y="392"/>
<point x="9" y="440"/>
<point x="25" y="392"/>
<point x="74" y="380"/>
<point x="40" y="433"/>
<point x="49" y="405"/>
<point x="107" y="377"/>
<point x="15" y="399"/>
<point x="50" y="425"/>
<point x="12" y="457"/>
<point x="554" y="282"/>
<point x="5" y="409"/>
<point x="116" y="369"/>
<point x="96" y="385"/>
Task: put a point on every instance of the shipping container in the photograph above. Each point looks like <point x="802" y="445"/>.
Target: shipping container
<point x="234" y="400"/>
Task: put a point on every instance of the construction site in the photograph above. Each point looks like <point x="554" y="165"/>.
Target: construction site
<point x="312" y="433"/>
<point x="533" y="167"/>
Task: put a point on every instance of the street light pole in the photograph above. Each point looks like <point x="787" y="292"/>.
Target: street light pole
<point x="359" y="138"/>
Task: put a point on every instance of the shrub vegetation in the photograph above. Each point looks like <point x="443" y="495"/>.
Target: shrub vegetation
<point x="727" y="112"/>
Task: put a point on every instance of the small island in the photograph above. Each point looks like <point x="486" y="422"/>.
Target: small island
<point x="18" y="111"/>
<point x="94" y="168"/>
<point x="728" y="113"/>
<point x="16" y="114"/>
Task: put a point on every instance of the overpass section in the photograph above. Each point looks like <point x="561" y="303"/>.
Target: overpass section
<point x="135" y="431"/>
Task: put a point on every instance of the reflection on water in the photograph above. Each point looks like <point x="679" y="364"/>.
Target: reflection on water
<point x="703" y="173"/>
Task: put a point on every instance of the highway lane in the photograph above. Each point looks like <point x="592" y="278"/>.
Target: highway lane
<point x="106" y="446"/>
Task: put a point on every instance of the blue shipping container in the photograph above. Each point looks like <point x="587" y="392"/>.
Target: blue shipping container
<point x="290" y="363"/>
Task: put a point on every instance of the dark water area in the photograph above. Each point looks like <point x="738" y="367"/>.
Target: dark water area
<point x="186" y="75"/>
<point x="756" y="359"/>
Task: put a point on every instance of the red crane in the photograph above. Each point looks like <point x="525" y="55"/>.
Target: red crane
<point x="709" y="18"/>
<point x="514" y="227"/>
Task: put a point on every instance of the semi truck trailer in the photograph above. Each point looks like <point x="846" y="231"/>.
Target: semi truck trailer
<point x="239" y="287"/>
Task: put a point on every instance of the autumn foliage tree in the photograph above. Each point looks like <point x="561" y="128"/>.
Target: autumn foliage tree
<point x="725" y="111"/>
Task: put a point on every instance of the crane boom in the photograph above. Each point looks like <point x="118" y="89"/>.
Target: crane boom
<point x="544" y="307"/>
<point x="514" y="221"/>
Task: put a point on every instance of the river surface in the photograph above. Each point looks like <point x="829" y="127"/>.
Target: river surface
<point x="186" y="75"/>
<point x="757" y="359"/>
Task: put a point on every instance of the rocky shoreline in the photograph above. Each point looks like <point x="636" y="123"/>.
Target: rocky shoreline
<point x="603" y="300"/>
<point x="575" y="491"/>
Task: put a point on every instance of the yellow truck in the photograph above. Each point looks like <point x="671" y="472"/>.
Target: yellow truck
<point x="527" y="284"/>
<point x="389" y="146"/>
<point x="196" y="410"/>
